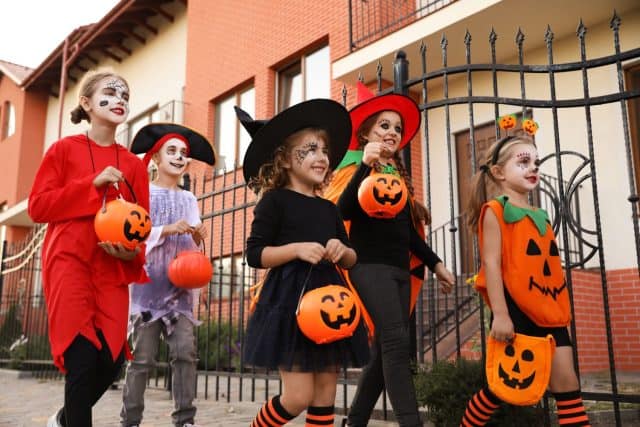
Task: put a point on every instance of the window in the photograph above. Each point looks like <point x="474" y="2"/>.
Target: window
<point x="232" y="142"/>
<point x="168" y="112"/>
<point x="228" y="280"/>
<point x="9" y="125"/>
<point x="307" y="78"/>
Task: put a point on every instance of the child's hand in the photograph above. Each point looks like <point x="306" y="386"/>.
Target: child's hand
<point x="445" y="277"/>
<point x="119" y="251"/>
<point x="335" y="250"/>
<point x="178" y="227"/>
<point x="311" y="252"/>
<point x="371" y="153"/>
<point x="502" y="328"/>
<point x="199" y="233"/>
<point x="108" y="176"/>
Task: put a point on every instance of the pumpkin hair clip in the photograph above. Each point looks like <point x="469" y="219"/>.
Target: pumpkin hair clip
<point x="530" y="127"/>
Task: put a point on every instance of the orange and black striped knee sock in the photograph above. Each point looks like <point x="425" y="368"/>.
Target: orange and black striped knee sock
<point x="571" y="409"/>
<point x="319" y="416"/>
<point x="272" y="414"/>
<point x="480" y="408"/>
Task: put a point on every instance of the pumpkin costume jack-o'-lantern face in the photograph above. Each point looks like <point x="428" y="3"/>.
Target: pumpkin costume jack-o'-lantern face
<point x="544" y="257"/>
<point x="518" y="372"/>
<point x="382" y="195"/>
<point x="123" y="222"/>
<point x="328" y="314"/>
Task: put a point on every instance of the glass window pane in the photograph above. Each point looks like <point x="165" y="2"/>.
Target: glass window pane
<point x="248" y="104"/>
<point x="11" y="120"/>
<point x="318" y="74"/>
<point x="226" y="134"/>
<point x="290" y="87"/>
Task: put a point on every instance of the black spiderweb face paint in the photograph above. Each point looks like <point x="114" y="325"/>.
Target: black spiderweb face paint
<point x="302" y="152"/>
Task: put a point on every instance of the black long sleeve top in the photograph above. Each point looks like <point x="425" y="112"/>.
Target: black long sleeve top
<point x="382" y="241"/>
<point x="285" y="216"/>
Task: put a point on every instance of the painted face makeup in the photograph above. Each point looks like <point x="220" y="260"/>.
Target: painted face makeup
<point x="301" y="153"/>
<point x="173" y="157"/>
<point x="523" y="160"/>
<point x="114" y="97"/>
<point x="388" y="131"/>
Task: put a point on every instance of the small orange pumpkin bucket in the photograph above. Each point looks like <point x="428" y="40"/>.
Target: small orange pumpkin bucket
<point x="190" y="270"/>
<point x="518" y="372"/>
<point x="120" y="221"/>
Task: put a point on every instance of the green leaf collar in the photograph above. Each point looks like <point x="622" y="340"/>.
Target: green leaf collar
<point x="514" y="214"/>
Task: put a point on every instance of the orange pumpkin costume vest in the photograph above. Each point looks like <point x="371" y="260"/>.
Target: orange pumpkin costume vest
<point x="531" y="269"/>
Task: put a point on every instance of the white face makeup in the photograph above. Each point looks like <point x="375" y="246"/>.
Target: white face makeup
<point x="308" y="162"/>
<point x="388" y="131"/>
<point x="521" y="170"/>
<point x="172" y="158"/>
<point x="111" y="99"/>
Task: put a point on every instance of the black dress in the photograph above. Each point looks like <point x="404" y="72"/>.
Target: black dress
<point x="273" y="339"/>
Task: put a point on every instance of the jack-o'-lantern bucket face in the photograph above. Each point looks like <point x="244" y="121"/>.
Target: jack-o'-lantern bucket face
<point x="518" y="372"/>
<point x="382" y="195"/>
<point x="328" y="314"/>
<point x="123" y="222"/>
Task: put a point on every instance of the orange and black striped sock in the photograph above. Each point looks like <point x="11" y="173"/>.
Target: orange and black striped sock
<point x="571" y="409"/>
<point x="272" y="414"/>
<point x="319" y="416"/>
<point x="480" y="408"/>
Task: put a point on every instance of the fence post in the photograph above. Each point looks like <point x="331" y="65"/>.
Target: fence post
<point x="400" y="77"/>
<point x="2" y="257"/>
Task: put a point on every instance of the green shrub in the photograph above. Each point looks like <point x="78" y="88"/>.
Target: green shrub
<point x="446" y="388"/>
<point x="10" y="331"/>
<point x="218" y="346"/>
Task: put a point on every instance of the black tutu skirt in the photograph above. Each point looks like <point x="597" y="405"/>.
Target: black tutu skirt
<point x="273" y="339"/>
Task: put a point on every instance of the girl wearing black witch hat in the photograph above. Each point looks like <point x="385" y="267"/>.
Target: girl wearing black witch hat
<point x="301" y="238"/>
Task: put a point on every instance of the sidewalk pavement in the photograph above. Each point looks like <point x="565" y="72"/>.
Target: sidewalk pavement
<point x="28" y="402"/>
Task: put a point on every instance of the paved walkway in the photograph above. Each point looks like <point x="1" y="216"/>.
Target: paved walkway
<point x="28" y="402"/>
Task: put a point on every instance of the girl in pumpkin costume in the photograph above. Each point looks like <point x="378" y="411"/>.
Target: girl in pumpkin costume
<point x="301" y="238"/>
<point x="389" y="252"/>
<point x="521" y="275"/>
<point x="86" y="281"/>
<point x="160" y="308"/>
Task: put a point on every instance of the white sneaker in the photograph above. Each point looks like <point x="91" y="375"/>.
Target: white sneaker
<point x="190" y="425"/>
<point x="54" y="420"/>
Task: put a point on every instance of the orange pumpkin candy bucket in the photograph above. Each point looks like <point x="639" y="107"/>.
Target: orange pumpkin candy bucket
<point x="382" y="195"/>
<point x="190" y="270"/>
<point x="120" y="221"/>
<point x="518" y="372"/>
<point x="327" y="314"/>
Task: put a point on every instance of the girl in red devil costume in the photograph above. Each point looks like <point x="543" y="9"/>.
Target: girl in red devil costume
<point x="86" y="281"/>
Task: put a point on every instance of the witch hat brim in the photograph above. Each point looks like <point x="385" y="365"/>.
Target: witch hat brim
<point x="370" y="104"/>
<point x="199" y="147"/>
<point x="316" y="113"/>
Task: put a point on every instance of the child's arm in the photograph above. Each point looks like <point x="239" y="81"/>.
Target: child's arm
<point x="491" y="254"/>
<point x="273" y="256"/>
<point x="424" y="252"/>
<point x="338" y="253"/>
<point x="348" y="202"/>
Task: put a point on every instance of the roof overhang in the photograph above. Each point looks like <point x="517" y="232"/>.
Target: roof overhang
<point x="128" y="25"/>
<point x="17" y="215"/>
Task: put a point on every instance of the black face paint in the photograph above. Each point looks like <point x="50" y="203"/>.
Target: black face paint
<point x="103" y="103"/>
<point x="302" y="152"/>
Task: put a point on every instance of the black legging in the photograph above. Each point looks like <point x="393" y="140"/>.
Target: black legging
<point x="90" y="372"/>
<point x="385" y="292"/>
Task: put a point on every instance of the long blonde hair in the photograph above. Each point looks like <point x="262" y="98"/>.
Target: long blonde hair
<point x="273" y="174"/>
<point x="483" y="184"/>
<point x="87" y="88"/>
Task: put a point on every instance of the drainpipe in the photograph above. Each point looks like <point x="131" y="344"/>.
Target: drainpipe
<point x="63" y="83"/>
